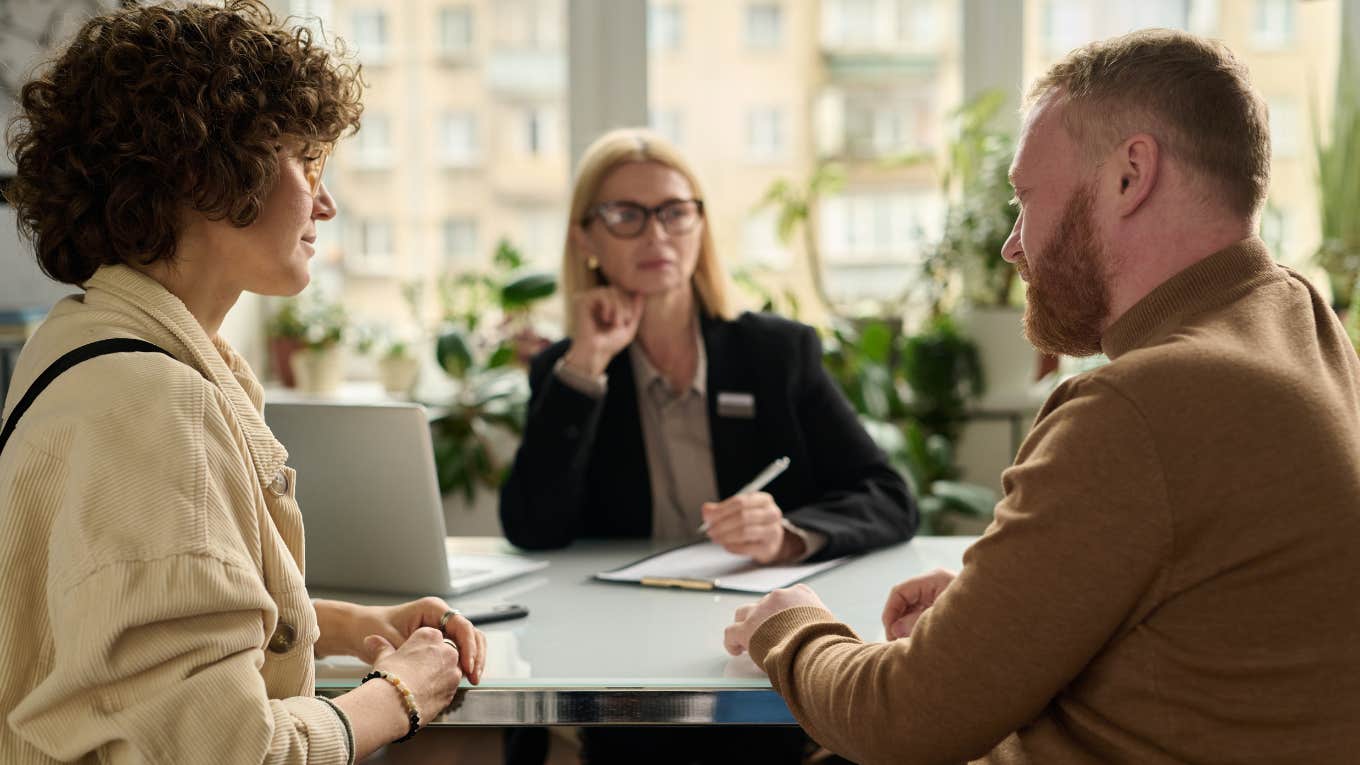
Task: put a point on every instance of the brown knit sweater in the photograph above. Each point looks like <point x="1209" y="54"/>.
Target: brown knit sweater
<point x="1174" y="570"/>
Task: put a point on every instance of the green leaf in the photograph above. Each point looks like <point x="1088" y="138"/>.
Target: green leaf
<point x="527" y="289"/>
<point x="453" y="353"/>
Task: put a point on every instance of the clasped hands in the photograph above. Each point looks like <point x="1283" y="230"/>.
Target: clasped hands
<point x="907" y="602"/>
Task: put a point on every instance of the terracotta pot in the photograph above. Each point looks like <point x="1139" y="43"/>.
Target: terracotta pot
<point x="281" y="350"/>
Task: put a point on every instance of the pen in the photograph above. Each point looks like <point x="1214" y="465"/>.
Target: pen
<point x="758" y="483"/>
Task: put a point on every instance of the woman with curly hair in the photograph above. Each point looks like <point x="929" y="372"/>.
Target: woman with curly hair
<point x="154" y="607"/>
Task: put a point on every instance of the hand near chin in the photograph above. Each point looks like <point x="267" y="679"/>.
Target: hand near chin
<point x="607" y="320"/>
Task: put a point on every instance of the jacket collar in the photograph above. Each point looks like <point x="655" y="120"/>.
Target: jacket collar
<point x="167" y="322"/>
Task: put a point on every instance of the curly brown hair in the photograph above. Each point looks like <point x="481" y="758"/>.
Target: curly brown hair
<point x="151" y="110"/>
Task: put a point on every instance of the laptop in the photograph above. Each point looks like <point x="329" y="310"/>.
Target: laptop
<point x="370" y="501"/>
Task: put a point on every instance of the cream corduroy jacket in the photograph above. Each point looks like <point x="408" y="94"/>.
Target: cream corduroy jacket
<point x="153" y="606"/>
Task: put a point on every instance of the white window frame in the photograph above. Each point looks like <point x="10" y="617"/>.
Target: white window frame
<point x="463" y="49"/>
<point x="374" y="52"/>
<point x="465" y="154"/>
<point x="764" y="39"/>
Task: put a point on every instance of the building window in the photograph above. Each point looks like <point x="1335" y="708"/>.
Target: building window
<point x="370" y="35"/>
<point x="667" y="124"/>
<point x="541" y="232"/>
<point x="1066" y="25"/>
<point x="1273" y="24"/>
<point x="457" y="135"/>
<point x="538" y="131"/>
<point x="373" y="248"/>
<point x="460" y="244"/>
<point x="455" y="31"/>
<point x="764" y="25"/>
<point x="761" y="245"/>
<point x="1285" y="130"/>
<point x="529" y="24"/>
<point x="665" y="27"/>
<point x="850" y="24"/>
<point x="373" y="143"/>
<point x="765" y="140"/>
<point x="866" y="226"/>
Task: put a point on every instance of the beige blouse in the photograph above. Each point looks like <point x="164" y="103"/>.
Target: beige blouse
<point x="153" y="606"/>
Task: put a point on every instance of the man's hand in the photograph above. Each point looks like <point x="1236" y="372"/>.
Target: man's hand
<point x="751" y="524"/>
<point x="910" y="599"/>
<point x="737" y="637"/>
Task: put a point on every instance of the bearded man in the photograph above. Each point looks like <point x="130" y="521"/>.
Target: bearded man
<point x="1172" y="572"/>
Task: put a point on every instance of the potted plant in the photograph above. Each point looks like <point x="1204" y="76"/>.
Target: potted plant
<point x="398" y="368"/>
<point x="977" y="224"/>
<point x="319" y="365"/>
<point x="1338" y="180"/>
<point x="485" y="344"/>
<point x="286" y="332"/>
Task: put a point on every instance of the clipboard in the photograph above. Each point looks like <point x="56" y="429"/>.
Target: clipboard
<point x="704" y="565"/>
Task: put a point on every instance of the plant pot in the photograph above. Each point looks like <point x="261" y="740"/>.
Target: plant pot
<point x="399" y="374"/>
<point x="319" y="370"/>
<point x="1008" y="360"/>
<point x="281" y="350"/>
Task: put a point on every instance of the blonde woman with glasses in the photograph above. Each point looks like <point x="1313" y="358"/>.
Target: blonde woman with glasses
<point x="663" y="402"/>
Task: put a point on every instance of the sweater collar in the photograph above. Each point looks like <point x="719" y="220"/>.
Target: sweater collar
<point x="170" y="325"/>
<point x="1203" y="285"/>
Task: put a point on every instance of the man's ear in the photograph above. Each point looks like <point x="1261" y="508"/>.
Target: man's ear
<point x="1138" y="164"/>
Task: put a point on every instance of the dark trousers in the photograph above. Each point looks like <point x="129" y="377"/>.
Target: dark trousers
<point x="693" y="746"/>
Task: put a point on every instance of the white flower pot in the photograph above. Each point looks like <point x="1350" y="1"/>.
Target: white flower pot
<point x="399" y="374"/>
<point x="319" y="370"/>
<point x="1008" y="360"/>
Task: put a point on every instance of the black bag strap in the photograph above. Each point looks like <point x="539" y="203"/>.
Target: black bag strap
<point x="68" y="360"/>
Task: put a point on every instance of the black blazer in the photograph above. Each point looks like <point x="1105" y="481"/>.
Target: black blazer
<point x="581" y="470"/>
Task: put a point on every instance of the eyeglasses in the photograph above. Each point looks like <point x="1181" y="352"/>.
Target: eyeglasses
<point x="629" y="219"/>
<point x="313" y="166"/>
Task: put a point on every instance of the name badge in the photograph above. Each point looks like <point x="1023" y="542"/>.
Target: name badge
<point x="733" y="404"/>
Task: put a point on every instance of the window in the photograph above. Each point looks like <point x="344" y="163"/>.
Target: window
<point x="1273" y="24"/>
<point x="764" y="25"/>
<point x="373" y="144"/>
<point x="765" y="134"/>
<point x="460" y="243"/>
<point x="371" y="253"/>
<point x="370" y="35"/>
<point x="538" y="131"/>
<point x="668" y="124"/>
<point x="850" y="24"/>
<point x="529" y="24"/>
<point x="541" y="232"/>
<point x="455" y="31"/>
<point x="880" y="225"/>
<point x="665" y="27"/>
<point x="760" y="242"/>
<point x="889" y="123"/>
<point x="1285" y="138"/>
<point x="457" y="135"/>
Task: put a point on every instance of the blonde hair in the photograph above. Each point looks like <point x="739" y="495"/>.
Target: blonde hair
<point x="1189" y="92"/>
<point x="609" y="151"/>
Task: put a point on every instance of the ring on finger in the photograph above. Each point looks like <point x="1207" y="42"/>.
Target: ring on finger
<point x="451" y="644"/>
<point x="449" y="614"/>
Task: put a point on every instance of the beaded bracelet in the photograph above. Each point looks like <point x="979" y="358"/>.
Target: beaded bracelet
<point x="407" y="698"/>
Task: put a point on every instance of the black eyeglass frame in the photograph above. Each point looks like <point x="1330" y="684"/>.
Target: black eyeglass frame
<point x="647" y="214"/>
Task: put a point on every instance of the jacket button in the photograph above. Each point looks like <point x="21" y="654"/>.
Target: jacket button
<point x="283" y="638"/>
<point x="280" y="484"/>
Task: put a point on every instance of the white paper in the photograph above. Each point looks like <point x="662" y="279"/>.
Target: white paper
<point x="711" y="563"/>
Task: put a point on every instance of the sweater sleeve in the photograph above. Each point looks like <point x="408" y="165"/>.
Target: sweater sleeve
<point x="864" y="502"/>
<point x="156" y="607"/>
<point x="1081" y="536"/>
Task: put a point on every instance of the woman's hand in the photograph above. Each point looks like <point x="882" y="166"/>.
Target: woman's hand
<point x="425" y="663"/>
<point x="751" y="524"/>
<point x="346" y="626"/>
<point x="606" y="320"/>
